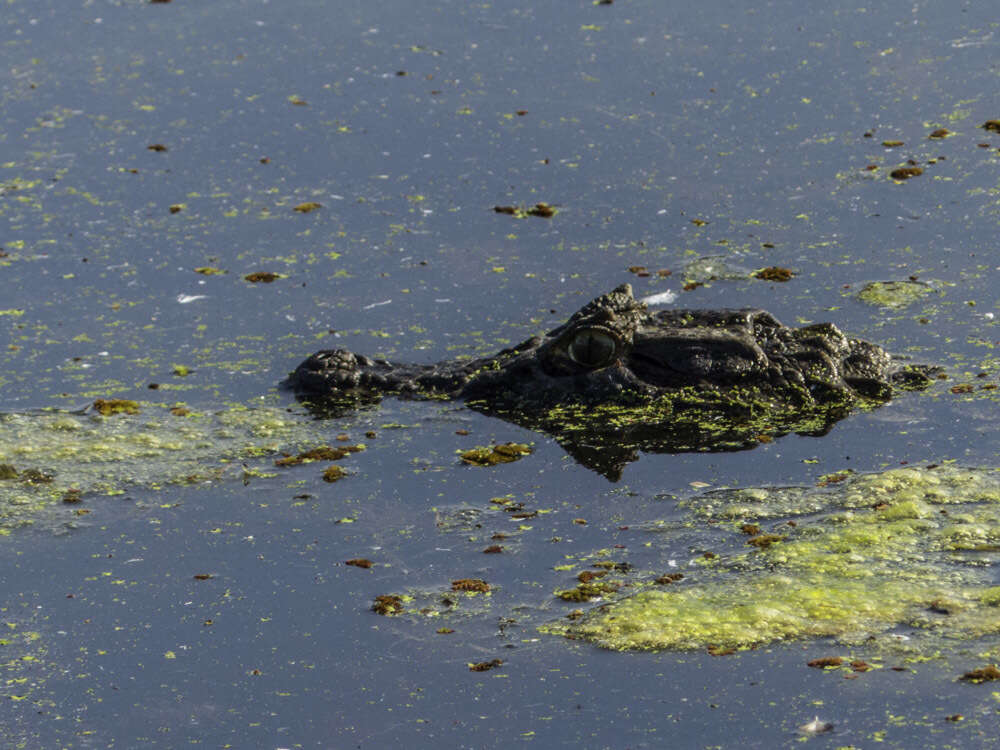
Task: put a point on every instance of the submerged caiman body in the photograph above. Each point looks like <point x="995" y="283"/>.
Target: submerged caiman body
<point x="617" y="378"/>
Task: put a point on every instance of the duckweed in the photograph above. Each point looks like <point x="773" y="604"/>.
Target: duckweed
<point x="893" y="294"/>
<point x="908" y="547"/>
<point x="44" y="455"/>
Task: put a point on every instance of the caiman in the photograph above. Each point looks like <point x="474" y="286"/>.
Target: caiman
<point x="617" y="378"/>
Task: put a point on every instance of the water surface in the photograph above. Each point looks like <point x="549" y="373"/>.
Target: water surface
<point x="142" y="141"/>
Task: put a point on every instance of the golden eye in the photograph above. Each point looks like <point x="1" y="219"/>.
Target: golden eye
<point x="592" y="347"/>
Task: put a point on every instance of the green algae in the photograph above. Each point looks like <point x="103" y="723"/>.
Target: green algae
<point x="903" y="492"/>
<point x="462" y="599"/>
<point x="320" y="453"/>
<point x="894" y="294"/>
<point x="491" y="455"/>
<point x="333" y="473"/>
<point x="25" y="660"/>
<point x="48" y="456"/>
<point x="713" y="268"/>
<point x="689" y="419"/>
<point x="585" y="591"/>
<point x="904" y="548"/>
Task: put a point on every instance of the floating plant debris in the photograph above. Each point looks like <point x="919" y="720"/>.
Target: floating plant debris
<point x="774" y="273"/>
<point x="496" y="454"/>
<point x="262" y="277"/>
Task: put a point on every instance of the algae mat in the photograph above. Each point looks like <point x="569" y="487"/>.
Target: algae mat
<point x="53" y="461"/>
<point x="907" y="548"/>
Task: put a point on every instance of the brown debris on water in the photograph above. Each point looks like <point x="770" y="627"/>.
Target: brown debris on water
<point x="108" y="406"/>
<point x="825" y="661"/>
<point x="989" y="673"/>
<point x="905" y="173"/>
<point x="668" y="578"/>
<point x="763" y="541"/>
<point x="584" y="592"/>
<point x="496" y="454"/>
<point x="774" y="273"/>
<point x="470" y="584"/>
<point x="834" y="478"/>
<point x="484" y="666"/>
<point x="334" y="473"/>
<point x="387" y="604"/>
<point x="322" y="453"/>
<point x="543" y="210"/>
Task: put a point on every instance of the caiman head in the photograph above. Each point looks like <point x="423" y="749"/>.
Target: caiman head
<point x="615" y="378"/>
<point x="582" y="359"/>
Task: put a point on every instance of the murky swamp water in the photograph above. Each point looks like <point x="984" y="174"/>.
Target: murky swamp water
<point x="155" y="155"/>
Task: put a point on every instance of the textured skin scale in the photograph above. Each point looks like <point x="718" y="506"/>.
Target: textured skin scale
<point x="654" y="352"/>
<point x="616" y="378"/>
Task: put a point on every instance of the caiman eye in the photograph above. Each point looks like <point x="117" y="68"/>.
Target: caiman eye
<point x="592" y="347"/>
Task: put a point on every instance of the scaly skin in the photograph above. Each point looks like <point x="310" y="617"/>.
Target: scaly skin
<point x="614" y="350"/>
<point x="617" y="378"/>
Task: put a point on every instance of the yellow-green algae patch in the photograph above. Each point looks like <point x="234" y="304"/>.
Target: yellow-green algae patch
<point x="24" y="659"/>
<point x="893" y="294"/>
<point x="492" y="455"/>
<point x="47" y="456"/>
<point x="908" y="547"/>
